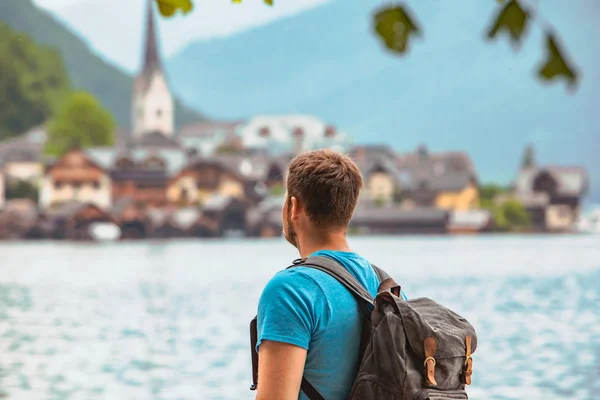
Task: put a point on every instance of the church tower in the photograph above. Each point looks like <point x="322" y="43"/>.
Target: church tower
<point x="152" y="108"/>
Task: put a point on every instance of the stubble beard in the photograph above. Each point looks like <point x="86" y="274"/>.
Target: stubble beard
<point x="290" y="235"/>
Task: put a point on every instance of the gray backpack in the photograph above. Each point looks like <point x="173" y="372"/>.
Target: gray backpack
<point x="411" y="349"/>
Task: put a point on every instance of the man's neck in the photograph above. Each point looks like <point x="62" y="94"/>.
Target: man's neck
<point x="335" y="242"/>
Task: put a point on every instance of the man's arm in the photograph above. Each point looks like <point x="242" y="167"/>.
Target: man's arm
<point x="280" y="369"/>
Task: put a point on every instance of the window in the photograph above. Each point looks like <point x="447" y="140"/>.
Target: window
<point x="124" y="163"/>
<point x="77" y="185"/>
<point x="154" y="163"/>
<point x="58" y="185"/>
<point x="564" y="212"/>
<point x="207" y="175"/>
<point x="545" y="183"/>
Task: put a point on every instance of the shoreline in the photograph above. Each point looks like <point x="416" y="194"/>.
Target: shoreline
<point x="146" y="240"/>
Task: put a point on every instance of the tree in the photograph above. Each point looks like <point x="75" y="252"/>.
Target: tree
<point x="32" y="81"/>
<point x="516" y="215"/>
<point x="395" y="25"/>
<point x="399" y="195"/>
<point x="488" y="192"/>
<point x="511" y="215"/>
<point x="20" y="189"/>
<point x="528" y="158"/>
<point x="80" y="122"/>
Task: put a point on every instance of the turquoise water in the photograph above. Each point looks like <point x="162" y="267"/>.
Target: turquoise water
<point x="170" y="320"/>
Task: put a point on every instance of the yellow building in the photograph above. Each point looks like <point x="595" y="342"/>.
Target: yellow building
<point x="198" y="181"/>
<point x="384" y="185"/>
<point x="463" y="196"/>
<point x="382" y="180"/>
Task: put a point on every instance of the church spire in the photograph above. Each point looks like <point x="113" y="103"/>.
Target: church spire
<point x="152" y="105"/>
<point x="151" y="60"/>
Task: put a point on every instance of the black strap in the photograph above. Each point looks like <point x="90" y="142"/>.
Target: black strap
<point x="253" y="352"/>
<point x="310" y="391"/>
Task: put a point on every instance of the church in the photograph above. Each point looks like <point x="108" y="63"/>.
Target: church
<point x="152" y="102"/>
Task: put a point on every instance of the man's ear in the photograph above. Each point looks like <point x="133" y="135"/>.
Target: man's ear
<point x="296" y="209"/>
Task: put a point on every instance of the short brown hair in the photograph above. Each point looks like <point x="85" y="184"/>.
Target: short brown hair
<point x="327" y="184"/>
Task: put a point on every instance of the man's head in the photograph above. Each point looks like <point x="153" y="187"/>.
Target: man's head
<point x="322" y="191"/>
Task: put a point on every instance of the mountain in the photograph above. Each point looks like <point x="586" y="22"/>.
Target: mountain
<point x="86" y="70"/>
<point x="453" y="91"/>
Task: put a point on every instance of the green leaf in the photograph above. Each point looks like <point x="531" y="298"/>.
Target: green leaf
<point x="168" y="8"/>
<point x="556" y="66"/>
<point x="395" y="26"/>
<point x="512" y="19"/>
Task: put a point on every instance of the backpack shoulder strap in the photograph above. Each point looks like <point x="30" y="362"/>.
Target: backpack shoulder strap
<point x="381" y="274"/>
<point x="341" y="274"/>
<point x="338" y="272"/>
<point x="386" y="282"/>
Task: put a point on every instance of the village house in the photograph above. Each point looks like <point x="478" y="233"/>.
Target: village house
<point x="22" y="157"/>
<point x="383" y="181"/>
<point x="75" y="177"/>
<point x="17" y="218"/>
<point x="282" y="134"/>
<point x="446" y="181"/>
<point x="173" y="222"/>
<point x="146" y="184"/>
<point x="74" y="220"/>
<point x="203" y="178"/>
<point x="224" y="216"/>
<point x="552" y="195"/>
<point x="143" y="173"/>
<point x="131" y="217"/>
<point x="261" y="171"/>
<point x="265" y="220"/>
<point x="141" y="167"/>
<point x="208" y="137"/>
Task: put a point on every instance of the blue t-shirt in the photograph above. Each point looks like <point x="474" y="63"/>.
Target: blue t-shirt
<point x="310" y="309"/>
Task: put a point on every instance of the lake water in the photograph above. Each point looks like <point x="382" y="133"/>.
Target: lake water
<point x="156" y="320"/>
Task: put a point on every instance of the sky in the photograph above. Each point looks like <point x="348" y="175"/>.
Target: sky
<point x="121" y="43"/>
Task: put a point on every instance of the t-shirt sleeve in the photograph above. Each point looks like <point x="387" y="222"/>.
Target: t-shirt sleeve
<point x="287" y="309"/>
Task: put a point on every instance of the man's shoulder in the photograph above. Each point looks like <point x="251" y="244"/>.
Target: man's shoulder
<point x="292" y="280"/>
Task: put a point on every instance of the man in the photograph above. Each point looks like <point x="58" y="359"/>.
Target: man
<point x="308" y="323"/>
